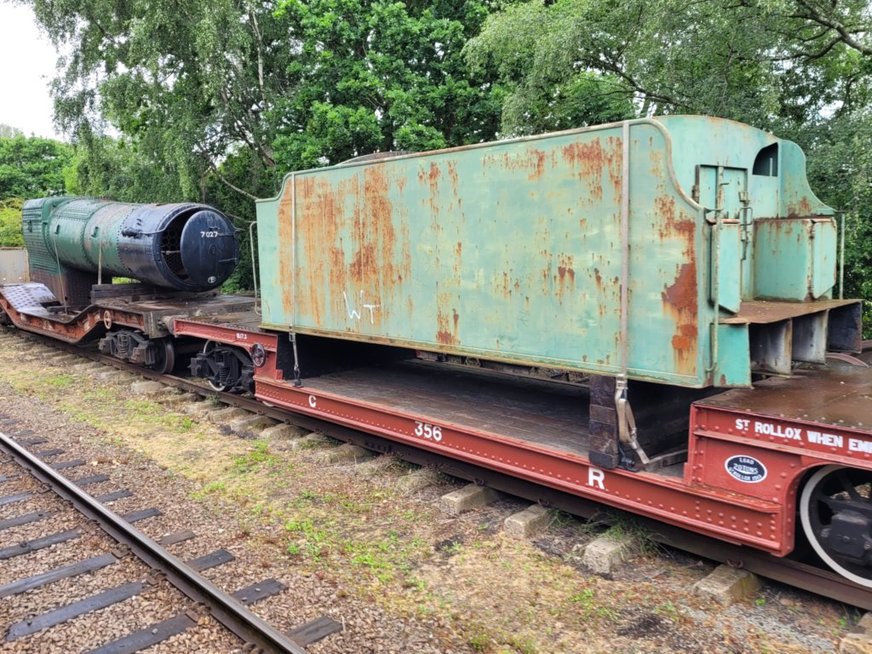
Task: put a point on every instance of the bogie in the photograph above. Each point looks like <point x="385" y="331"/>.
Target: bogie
<point x="835" y="510"/>
<point x="224" y="368"/>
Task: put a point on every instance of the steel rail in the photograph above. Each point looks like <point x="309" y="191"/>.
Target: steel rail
<point x="785" y="570"/>
<point x="224" y="608"/>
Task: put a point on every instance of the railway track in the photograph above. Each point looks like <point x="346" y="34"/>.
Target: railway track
<point x="80" y="534"/>
<point x="791" y="572"/>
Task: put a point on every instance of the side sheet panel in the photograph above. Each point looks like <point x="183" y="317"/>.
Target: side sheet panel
<point x="509" y="251"/>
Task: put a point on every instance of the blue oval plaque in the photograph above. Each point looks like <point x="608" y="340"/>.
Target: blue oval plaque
<point x="745" y="469"/>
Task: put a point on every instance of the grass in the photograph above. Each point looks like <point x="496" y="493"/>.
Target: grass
<point x="479" y="641"/>
<point x="590" y="605"/>
<point x="257" y="457"/>
<point x="211" y="488"/>
<point x="60" y="381"/>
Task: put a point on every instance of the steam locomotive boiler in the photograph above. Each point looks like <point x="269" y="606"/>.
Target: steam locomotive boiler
<point x="175" y="255"/>
<point x="74" y="243"/>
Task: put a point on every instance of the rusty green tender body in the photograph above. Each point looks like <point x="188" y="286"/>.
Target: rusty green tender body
<point x="684" y="250"/>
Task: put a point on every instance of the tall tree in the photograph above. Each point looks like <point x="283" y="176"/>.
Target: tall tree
<point x="182" y="81"/>
<point x="32" y="166"/>
<point x="381" y="75"/>
<point x="761" y="61"/>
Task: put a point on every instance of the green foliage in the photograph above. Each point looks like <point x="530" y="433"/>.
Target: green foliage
<point x="117" y="169"/>
<point x="840" y="168"/>
<point x="378" y="76"/>
<point x="765" y="62"/>
<point x="10" y="223"/>
<point x="31" y="167"/>
<point x="257" y="457"/>
<point x="183" y="85"/>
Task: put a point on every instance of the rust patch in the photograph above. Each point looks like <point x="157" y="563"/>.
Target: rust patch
<point x="685" y="339"/>
<point x="373" y="237"/>
<point x="565" y="274"/>
<point x="670" y="226"/>
<point x="317" y="227"/>
<point x="286" y="274"/>
<point x="680" y="301"/>
<point x="538" y="165"/>
<point x="506" y="285"/>
<point x="452" y="174"/>
<point x="350" y="248"/>
<point x="533" y="162"/>
<point x="429" y="177"/>
<point x="434" y="175"/>
<point x="800" y="209"/>
<point x="446" y="327"/>
<point x="615" y="168"/>
<point x="565" y="270"/>
<point x="682" y="293"/>
<point x="591" y="162"/>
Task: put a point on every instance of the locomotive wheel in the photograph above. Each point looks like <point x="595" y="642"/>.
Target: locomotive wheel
<point x="207" y="349"/>
<point x="165" y="356"/>
<point x="836" y="514"/>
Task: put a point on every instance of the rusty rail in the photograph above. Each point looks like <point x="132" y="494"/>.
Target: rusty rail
<point x="229" y="611"/>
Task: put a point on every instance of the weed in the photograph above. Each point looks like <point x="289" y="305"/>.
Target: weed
<point x="479" y="641"/>
<point x="308" y="496"/>
<point x="415" y="583"/>
<point x="586" y="600"/>
<point x="59" y="381"/>
<point x="454" y="547"/>
<point x="522" y="645"/>
<point x="214" y="487"/>
<point x="142" y="408"/>
<point x="760" y="601"/>
<point x="410" y="516"/>
<point x="668" y="610"/>
<point x="562" y="518"/>
<point x="257" y="457"/>
<point x="314" y="541"/>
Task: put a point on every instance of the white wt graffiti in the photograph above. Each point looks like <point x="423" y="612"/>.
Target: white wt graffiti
<point x="353" y="312"/>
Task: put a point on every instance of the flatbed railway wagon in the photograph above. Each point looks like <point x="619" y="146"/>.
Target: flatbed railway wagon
<point x="174" y="257"/>
<point x="640" y="314"/>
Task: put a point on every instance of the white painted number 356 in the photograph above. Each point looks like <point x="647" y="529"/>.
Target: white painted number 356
<point x="428" y="431"/>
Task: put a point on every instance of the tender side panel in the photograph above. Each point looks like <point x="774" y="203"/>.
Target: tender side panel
<point x="508" y="251"/>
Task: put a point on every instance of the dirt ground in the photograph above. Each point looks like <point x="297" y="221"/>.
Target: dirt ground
<point x="359" y="539"/>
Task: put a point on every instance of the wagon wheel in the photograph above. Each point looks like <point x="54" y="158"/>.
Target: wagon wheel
<point x="165" y="356"/>
<point x="208" y="348"/>
<point x="836" y="514"/>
